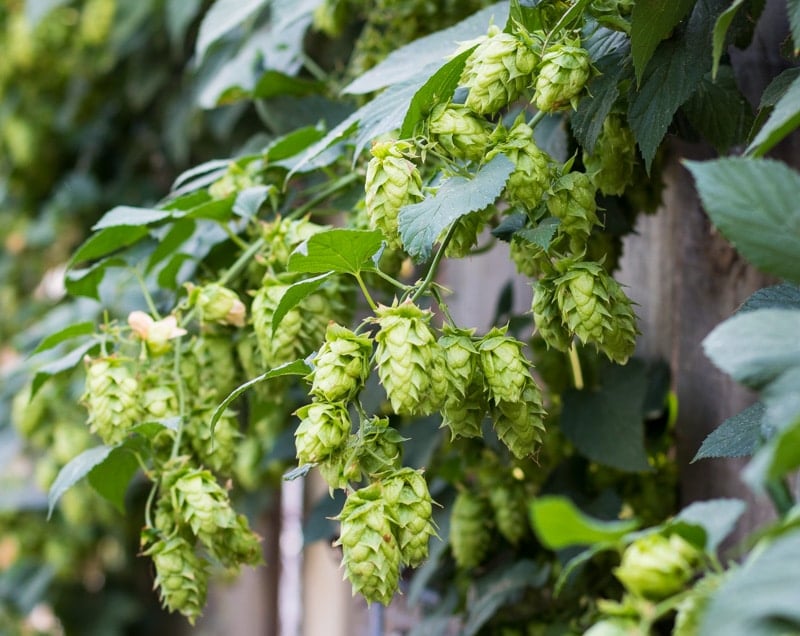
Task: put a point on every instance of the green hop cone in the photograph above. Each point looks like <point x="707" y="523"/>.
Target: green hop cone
<point x="656" y="567"/>
<point x="504" y="366"/>
<point x="406" y="358"/>
<point x="216" y="449"/>
<point x="527" y="256"/>
<point x="372" y="555"/>
<point x="612" y="162"/>
<point x="563" y="72"/>
<point x="509" y="505"/>
<point x="533" y="168"/>
<point x="547" y="315"/>
<point x="181" y="576"/>
<point x="520" y="424"/>
<point x="460" y="132"/>
<point x="202" y="504"/>
<point x="282" y="236"/>
<point x="464" y="416"/>
<point x="619" y="342"/>
<point x="392" y="181"/>
<point x="692" y="608"/>
<point x="323" y="430"/>
<point x="111" y="396"/>
<point x="218" y="304"/>
<point x="341" y="366"/>
<point x="497" y="72"/>
<point x="462" y="359"/>
<point x="238" y="545"/>
<point x="209" y="370"/>
<point x="466" y="231"/>
<point x="406" y="493"/>
<point x="379" y="448"/>
<point x="470" y="533"/>
<point x="572" y="201"/>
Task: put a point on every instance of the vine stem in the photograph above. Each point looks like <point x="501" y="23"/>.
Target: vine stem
<point x="176" y="370"/>
<point x="148" y="299"/>
<point x="434" y="264"/>
<point x="148" y="518"/>
<point x="365" y="291"/>
<point x="781" y="496"/>
<point x="539" y="116"/>
<point x="575" y="363"/>
<point x="337" y="185"/>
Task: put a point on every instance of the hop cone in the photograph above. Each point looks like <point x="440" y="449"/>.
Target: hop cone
<point x="470" y="534"/>
<point x="181" y="576"/>
<point x="216" y="450"/>
<point x="405" y="356"/>
<point x="572" y="200"/>
<point x="342" y="364"/>
<point x="462" y="360"/>
<point x="497" y="72"/>
<point x="465" y="234"/>
<point x="533" y="168"/>
<point x="112" y="399"/>
<point x="380" y="447"/>
<point x="459" y="131"/>
<point x="160" y="402"/>
<point x="504" y="367"/>
<point x="611" y="164"/>
<point x="372" y="555"/>
<point x="563" y="73"/>
<point x="216" y="303"/>
<point x="323" y="430"/>
<point x="392" y="181"/>
<point x="238" y="545"/>
<point x="406" y="494"/>
<point x="509" y="505"/>
<point x="519" y="425"/>
<point x="620" y="340"/>
<point x="203" y="504"/>
<point x="212" y="373"/>
<point x="547" y="315"/>
<point x="655" y="566"/>
<point x="283" y="236"/>
<point x="527" y="256"/>
<point x="464" y="416"/>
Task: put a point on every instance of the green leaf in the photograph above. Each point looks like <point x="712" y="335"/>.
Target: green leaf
<point x="86" y="282"/>
<point x="503" y="586"/>
<point x="782" y="296"/>
<point x="221" y="18"/>
<point x="438" y="89"/>
<point x="784" y="119"/>
<point x="672" y="75"/>
<point x="64" y="363"/>
<point x="793" y="9"/>
<point x="293" y="143"/>
<point x="168" y="276"/>
<point x="738" y="436"/>
<point x="249" y="201"/>
<point x="294" y="294"/>
<point x="541" y="235"/>
<point x="168" y="244"/>
<point x="717" y="517"/>
<point x="559" y="524"/>
<point x="607" y="425"/>
<point x="719" y="111"/>
<point x="776" y="459"/>
<point x="67" y="333"/>
<point x="651" y="22"/>
<point x="720" y="31"/>
<point x="215" y="168"/>
<point x="777" y="88"/>
<point x="760" y="597"/>
<point x="753" y="202"/>
<point x="214" y="210"/>
<point x="112" y="476"/>
<point x="75" y="470"/>
<point x="422" y="223"/>
<point x="336" y="250"/>
<point x="274" y="83"/>
<point x="108" y="240"/>
<point x="130" y="216"/>
<point x="756" y="347"/>
<point x="417" y="57"/>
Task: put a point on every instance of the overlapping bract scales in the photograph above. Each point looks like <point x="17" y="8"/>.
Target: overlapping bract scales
<point x="612" y="162"/>
<point x="533" y="167"/>
<point x="465" y="234"/>
<point x="547" y="316"/>
<point x="181" y="576"/>
<point x="509" y="505"/>
<point x="459" y="131"/>
<point x="112" y="398"/>
<point x="563" y="72"/>
<point x="341" y="365"/>
<point x="572" y="201"/>
<point x="520" y="424"/>
<point x="470" y="530"/>
<point x="407" y="495"/>
<point x="504" y="367"/>
<point x="323" y="430"/>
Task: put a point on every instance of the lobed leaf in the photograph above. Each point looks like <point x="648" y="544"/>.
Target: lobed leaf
<point x="738" y="436"/>
<point x="295" y="294"/>
<point x="336" y="250"/>
<point x="651" y="22"/>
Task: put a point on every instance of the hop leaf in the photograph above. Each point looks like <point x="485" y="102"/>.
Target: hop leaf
<point x="564" y="71"/>
<point x="470" y="534"/>
<point x="323" y="430"/>
<point x="504" y="367"/>
<point x="460" y="132"/>
<point x="342" y="364"/>
<point x="111" y="396"/>
<point x="181" y="576"/>
<point x="611" y="165"/>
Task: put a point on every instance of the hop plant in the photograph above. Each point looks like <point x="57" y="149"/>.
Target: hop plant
<point x="692" y="608"/>
<point x="504" y="367"/>
<point x="655" y="566"/>
<point x="459" y="131"/>
<point x="547" y="316"/>
<point x="216" y="303"/>
<point x="464" y="416"/>
<point x="509" y="505"/>
<point x="209" y="370"/>
<point x="372" y="554"/>
<point x="465" y="234"/>
<point x="181" y="576"/>
<point x="533" y="168"/>
<point x="406" y="357"/>
<point x="527" y="256"/>
<point x="392" y="181"/>
<point x="216" y="449"/>
<point x="238" y="545"/>
<point x="379" y="449"/>
<point x="470" y="533"/>
<point x="520" y="424"/>
<point x="323" y="430"/>
<point x="497" y="72"/>
<point x="563" y="72"/>
<point x="341" y="366"/>
<point x="612" y="162"/>
<point x="282" y="236"/>
<point x="462" y="359"/>
<point x="112" y="398"/>
<point x="572" y="200"/>
<point x="202" y="504"/>
<point x="406" y="493"/>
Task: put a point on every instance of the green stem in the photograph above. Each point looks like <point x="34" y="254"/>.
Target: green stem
<point x="365" y="291"/>
<point x="539" y="116"/>
<point x="148" y="519"/>
<point x="575" y="363"/>
<point x="176" y="371"/>
<point x="314" y="201"/>
<point x="781" y="496"/>
<point x="148" y="299"/>
<point x="434" y="265"/>
<point x="443" y="307"/>
<point x="391" y="281"/>
<point x="234" y="237"/>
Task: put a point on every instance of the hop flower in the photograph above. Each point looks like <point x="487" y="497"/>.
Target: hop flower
<point x="497" y="72"/>
<point x="465" y="235"/>
<point x="181" y="576"/>
<point x="563" y="73"/>
<point x="216" y="303"/>
<point x="470" y="534"/>
<point x="406" y="357"/>
<point x="155" y="333"/>
<point x="282" y="237"/>
<point x="342" y="364"/>
<point x="202" y="504"/>
<point x="509" y="505"/>
<point x="612" y="162"/>
<point x="527" y="256"/>
<point x="392" y="181"/>
<point x="209" y="370"/>
<point x="464" y="416"/>
<point x="160" y="402"/>
<point x="462" y="360"/>
<point x="238" y="545"/>
<point x="112" y="399"/>
<point x="379" y="449"/>
<point x="235" y="179"/>
<point x="519" y="424"/>
<point x="323" y="430"/>
<point x="533" y="168"/>
<point x="216" y="449"/>
<point x="504" y="367"/>
<point x="372" y="555"/>
<point x="655" y="566"/>
<point x="572" y="200"/>
<point x="406" y="494"/>
<point x="459" y="131"/>
<point x="547" y="315"/>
